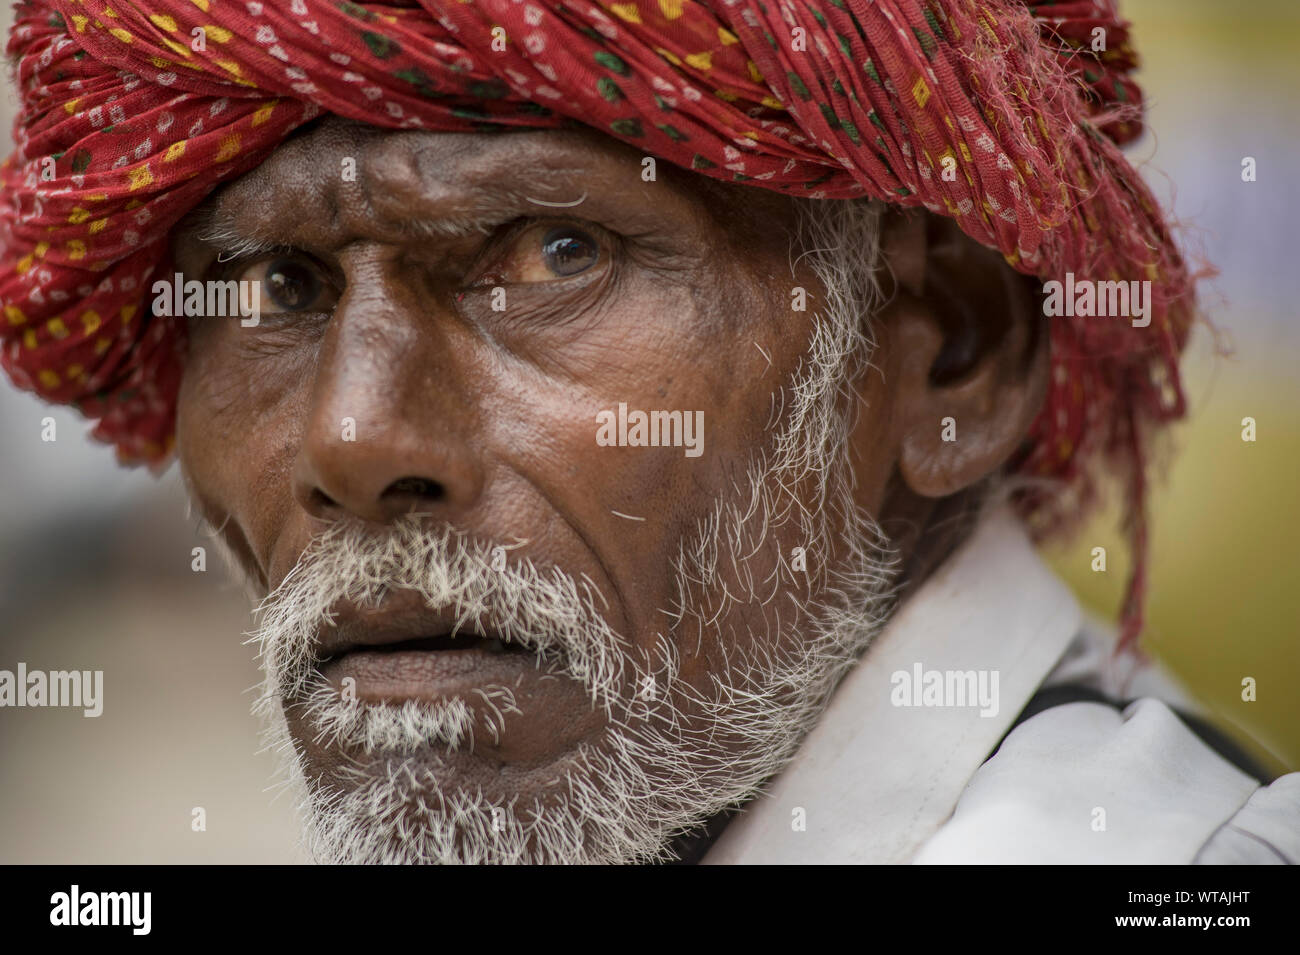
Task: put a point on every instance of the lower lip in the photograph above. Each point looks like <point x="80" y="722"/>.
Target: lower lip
<point x="400" y="675"/>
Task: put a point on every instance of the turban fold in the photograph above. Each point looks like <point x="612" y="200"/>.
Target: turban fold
<point x="1005" y="115"/>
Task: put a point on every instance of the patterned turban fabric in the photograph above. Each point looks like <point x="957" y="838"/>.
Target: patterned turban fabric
<point x="125" y="127"/>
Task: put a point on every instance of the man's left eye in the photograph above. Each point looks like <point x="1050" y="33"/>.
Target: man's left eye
<point x="569" y="251"/>
<point x="545" y="253"/>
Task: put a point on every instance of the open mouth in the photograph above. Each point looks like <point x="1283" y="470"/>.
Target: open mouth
<point x="383" y="666"/>
<point x="436" y="643"/>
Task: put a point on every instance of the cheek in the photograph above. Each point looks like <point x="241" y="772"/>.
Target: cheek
<point x="237" y="425"/>
<point x="701" y="366"/>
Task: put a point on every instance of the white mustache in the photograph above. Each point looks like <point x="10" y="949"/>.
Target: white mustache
<point x="544" y="608"/>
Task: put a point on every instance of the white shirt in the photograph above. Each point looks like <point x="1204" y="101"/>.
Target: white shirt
<point x="877" y="781"/>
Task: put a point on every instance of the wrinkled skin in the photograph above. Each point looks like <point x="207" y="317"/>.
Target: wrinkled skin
<point x="484" y="419"/>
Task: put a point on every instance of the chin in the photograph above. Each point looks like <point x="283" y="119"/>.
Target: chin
<point x="440" y="807"/>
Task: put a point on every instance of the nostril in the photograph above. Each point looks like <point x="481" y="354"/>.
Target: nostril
<point x="319" y="501"/>
<point x="415" y="487"/>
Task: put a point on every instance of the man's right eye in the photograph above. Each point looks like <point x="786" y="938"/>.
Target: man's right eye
<point x="291" y="283"/>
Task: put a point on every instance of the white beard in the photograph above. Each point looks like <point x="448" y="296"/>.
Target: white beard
<point x="656" y="771"/>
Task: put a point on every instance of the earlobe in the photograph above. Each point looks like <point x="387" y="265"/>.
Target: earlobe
<point x="971" y="366"/>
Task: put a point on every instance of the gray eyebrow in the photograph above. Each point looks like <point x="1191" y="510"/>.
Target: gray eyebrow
<point x="492" y="216"/>
<point x="451" y="227"/>
<point x="218" y="229"/>
<point x="499" y="203"/>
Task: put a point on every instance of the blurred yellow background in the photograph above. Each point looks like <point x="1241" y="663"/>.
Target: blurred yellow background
<point x="1221" y="81"/>
<point x="95" y="561"/>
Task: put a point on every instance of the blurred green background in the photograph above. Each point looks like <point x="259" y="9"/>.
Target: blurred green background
<point x="95" y="560"/>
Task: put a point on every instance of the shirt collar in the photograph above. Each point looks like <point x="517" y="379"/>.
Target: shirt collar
<point x="874" y="780"/>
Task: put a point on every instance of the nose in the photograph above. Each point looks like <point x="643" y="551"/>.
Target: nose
<point x="378" y="482"/>
<point x="390" y="426"/>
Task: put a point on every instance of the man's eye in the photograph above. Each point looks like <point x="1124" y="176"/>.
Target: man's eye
<point x="290" y="284"/>
<point x="567" y="251"/>
<point x="545" y="253"/>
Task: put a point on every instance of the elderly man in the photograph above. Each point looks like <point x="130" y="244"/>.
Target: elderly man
<point x="635" y="414"/>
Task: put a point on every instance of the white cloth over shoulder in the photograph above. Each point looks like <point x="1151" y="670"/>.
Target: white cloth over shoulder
<point x="1266" y="829"/>
<point x="1085" y="783"/>
<point x="880" y="782"/>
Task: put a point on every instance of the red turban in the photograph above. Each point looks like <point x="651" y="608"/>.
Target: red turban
<point x="125" y="127"/>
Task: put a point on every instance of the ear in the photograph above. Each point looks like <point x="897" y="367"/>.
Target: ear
<point x="964" y="348"/>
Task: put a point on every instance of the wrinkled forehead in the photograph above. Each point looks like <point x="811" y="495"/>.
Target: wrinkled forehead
<point x="421" y="183"/>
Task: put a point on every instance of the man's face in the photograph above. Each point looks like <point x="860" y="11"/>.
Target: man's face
<point x="502" y="624"/>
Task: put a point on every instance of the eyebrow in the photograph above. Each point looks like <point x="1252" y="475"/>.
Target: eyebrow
<point x="462" y="226"/>
<point x="501" y="203"/>
<point x="218" y="228"/>
<point x="499" y="199"/>
<point x="232" y="244"/>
